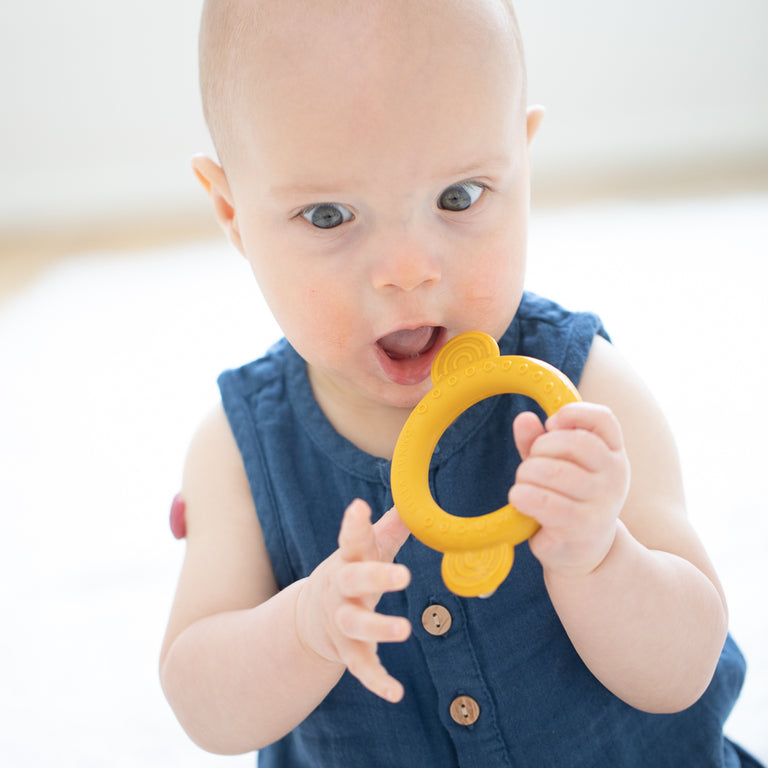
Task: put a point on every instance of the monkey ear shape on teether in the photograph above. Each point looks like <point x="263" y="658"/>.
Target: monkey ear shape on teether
<point x="478" y="551"/>
<point x="477" y="572"/>
<point x="457" y="354"/>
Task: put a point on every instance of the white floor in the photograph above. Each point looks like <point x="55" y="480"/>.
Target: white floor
<point x="108" y="361"/>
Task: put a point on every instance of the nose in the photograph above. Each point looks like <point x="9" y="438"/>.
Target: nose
<point x="406" y="263"/>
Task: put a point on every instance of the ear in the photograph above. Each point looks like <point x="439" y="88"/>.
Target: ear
<point x="211" y="175"/>
<point x="534" y="116"/>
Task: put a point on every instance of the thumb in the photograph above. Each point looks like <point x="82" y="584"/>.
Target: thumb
<point x="526" y="428"/>
<point x="391" y="533"/>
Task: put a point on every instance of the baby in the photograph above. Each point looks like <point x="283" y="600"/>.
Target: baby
<point x="374" y="171"/>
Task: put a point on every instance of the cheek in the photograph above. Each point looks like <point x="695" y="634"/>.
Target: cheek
<point x="479" y="289"/>
<point x="319" y="309"/>
<point x="305" y="302"/>
<point x="492" y="290"/>
<point x="319" y="321"/>
<point x="493" y="278"/>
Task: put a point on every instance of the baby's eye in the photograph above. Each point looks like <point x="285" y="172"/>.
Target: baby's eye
<point x="459" y="197"/>
<point x="327" y="215"/>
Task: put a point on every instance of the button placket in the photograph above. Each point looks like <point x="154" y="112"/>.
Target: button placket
<point x="452" y="663"/>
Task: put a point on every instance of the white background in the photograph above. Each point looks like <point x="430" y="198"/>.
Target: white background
<point x="100" y="109"/>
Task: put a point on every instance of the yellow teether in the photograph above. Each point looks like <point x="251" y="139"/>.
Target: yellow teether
<point x="477" y="551"/>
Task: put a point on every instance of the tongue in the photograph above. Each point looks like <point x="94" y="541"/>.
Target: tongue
<point x="401" y="345"/>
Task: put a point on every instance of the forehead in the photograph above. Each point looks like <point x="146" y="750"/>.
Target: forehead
<point x="331" y="70"/>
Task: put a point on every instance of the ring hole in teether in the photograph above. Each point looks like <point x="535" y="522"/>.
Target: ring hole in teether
<point x="480" y="422"/>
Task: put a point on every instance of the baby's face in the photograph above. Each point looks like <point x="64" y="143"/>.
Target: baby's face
<point x="380" y="184"/>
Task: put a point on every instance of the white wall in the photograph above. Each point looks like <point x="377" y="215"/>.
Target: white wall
<point x="653" y="85"/>
<point x="100" y="109"/>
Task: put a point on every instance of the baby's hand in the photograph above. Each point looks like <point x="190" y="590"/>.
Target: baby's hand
<point x="335" y="614"/>
<point x="573" y="480"/>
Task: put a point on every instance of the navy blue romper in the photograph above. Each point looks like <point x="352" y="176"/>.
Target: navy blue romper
<point x="488" y="682"/>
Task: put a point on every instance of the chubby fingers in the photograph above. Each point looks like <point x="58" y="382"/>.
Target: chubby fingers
<point x="363" y="663"/>
<point x="580" y="458"/>
<point x="391" y="533"/>
<point x="366" y="571"/>
<point x="358" y="580"/>
<point x="574" y="482"/>
<point x="590" y="417"/>
<point x="526" y="428"/>
<point x="358" y="623"/>
<point x="363" y="629"/>
<point x="357" y="540"/>
<point x="581" y="434"/>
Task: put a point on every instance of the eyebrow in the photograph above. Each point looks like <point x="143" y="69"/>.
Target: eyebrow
<point x="496" y="162"/>
<point x="306" y="188"/>
<point x="318" y="190"/>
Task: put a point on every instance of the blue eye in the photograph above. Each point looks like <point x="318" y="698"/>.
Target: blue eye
<point x="459" y="197"/>
<point x="327" y="215"/>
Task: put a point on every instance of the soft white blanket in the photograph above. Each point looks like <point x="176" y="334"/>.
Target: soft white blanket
<point x="108" y="361"/>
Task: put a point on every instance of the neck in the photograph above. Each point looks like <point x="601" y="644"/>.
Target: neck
<point x="370" y="426"/>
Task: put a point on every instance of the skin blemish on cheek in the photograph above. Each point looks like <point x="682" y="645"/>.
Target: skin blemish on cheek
<point x="480" y="294"/>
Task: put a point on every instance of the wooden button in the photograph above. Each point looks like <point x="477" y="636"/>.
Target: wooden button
<point x="436" y="620"/>
<point x="465" y="710"/>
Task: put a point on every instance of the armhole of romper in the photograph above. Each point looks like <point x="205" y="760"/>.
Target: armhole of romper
<point x="582" y="334"/>
<point x="242" y="422"/>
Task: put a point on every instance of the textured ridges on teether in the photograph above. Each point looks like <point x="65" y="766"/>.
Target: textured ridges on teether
<point x="462" y="351"/>
<point x="472" y="573"/>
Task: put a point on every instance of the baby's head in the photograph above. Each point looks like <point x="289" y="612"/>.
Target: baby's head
<point x="237" y="37"/>
<point x="375" y="173"/>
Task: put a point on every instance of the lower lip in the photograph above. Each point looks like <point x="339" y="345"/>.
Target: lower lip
<point x="412" y="370"/>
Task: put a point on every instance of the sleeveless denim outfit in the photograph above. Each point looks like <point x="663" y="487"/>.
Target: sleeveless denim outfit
<point x="488" y="682"/>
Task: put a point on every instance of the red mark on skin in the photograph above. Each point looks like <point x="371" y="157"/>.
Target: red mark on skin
<point x="178" y="518"/>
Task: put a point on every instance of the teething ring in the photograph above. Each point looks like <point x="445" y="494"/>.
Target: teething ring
<point x="477" y="551"/>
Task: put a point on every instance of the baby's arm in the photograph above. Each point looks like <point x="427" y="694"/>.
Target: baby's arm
<point x="627" y="574"/>
<point x="243" y="663"/>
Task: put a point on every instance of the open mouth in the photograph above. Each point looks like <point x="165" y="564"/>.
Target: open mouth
<point x="406" y="356"/>
<point x="409" y="344"/>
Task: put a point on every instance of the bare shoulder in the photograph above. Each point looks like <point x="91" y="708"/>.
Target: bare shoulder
<point x="226" y="565"/>
<point x="215" y="487"/>
<point x="655" y="511"/>
<point x="610" y="380"/>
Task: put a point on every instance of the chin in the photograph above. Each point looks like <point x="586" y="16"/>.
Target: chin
<point x="405" y="397"/>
